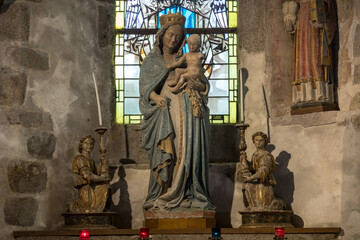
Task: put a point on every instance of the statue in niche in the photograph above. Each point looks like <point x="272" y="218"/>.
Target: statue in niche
<point x="314" y="24"/>
<point x="92" y="182"/>
<point x="176" y="139"/>
<point x="258" y="178"/>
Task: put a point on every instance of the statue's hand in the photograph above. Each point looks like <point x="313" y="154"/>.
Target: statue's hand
<point x="196" y="85"/>
<point x="105" y="177"/>
<point x="245" y="179"/>
<point x="160" y="101"/>
<point x="316" y="24"/>
<point x="289" y="25"/>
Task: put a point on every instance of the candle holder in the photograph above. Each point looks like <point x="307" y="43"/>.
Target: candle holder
<point x="279" y="234"/>
<point x="101" y="131"/>
<point x="215" y="234"/>
<point x="242" y="145"/>
<point x="144" y="234"/>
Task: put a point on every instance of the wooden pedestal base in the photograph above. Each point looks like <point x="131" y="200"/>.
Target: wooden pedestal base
<point x="180" y="223"/>
<point x="89" y="220"/>
<point x="280" y="218"/>
<point x="180" y="219"/>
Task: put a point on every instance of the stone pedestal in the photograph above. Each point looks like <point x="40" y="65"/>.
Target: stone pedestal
<point x="180" y="219"/>
<point x="280" y="218"/>
<point x="89" y="220"/>
<point x="310" y="107"/>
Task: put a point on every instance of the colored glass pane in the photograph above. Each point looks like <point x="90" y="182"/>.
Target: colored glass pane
<point x="219" y="49"/>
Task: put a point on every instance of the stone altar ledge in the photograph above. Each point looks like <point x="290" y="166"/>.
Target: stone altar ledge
<point x="184" y="234"/>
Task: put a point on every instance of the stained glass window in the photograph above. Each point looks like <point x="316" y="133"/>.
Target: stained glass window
<point x="137" y="21"/>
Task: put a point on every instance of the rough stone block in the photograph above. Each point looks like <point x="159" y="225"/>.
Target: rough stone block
<point x="30" y="58"/>
<point x="223" y="143"/>
<point x="42" y="145"/>
<point x="13" y="118"/>
<point x="355" y="121"/>
<point x="30" y="119"/>
<point x="355" y="102"/>
<point x="357" y="42"/>
<point x="15" y="23"/>
<point x="106" y="32"/>
<point x="125" y="145"/>
<point x="27" y="177"/>
<point x="357" y="74"/>
<point x="12" y="87"/>
<point x="107" y="1"/>
<point x="252" y="25"/>
<point x="20" y="211"/>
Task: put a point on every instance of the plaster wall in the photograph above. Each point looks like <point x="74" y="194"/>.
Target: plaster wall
<point x="48" y="50"/>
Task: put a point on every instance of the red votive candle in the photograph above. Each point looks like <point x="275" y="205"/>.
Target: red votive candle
<point x="279" y="232"/>
<point x="84" y="235"/>
<point x="144" y="233"/>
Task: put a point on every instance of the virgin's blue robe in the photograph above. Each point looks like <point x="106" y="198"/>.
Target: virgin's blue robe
<point x="158" y="141"/>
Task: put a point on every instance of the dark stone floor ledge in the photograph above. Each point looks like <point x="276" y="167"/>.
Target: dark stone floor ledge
<point x="227" y="233"/>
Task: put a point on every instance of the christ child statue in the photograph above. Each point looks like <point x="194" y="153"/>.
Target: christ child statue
<point x="193" y="59"/>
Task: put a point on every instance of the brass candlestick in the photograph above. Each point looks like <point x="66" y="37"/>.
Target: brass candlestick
<point x="242" y="145"/>
<point x="101" y="131"/>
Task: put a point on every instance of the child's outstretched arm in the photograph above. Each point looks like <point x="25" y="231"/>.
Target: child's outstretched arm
<point x="178" y="63"/>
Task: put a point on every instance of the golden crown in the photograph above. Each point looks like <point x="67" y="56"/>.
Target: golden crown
<point x="171" y="18"/>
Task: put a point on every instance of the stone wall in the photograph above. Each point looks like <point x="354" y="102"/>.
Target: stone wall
<point x="48" y="50"/>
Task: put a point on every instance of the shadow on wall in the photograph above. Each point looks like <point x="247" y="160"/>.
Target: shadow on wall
<point x="221" y="182"/>
<point x="285" y="187"/>
<point x="122" y="206"/>
<point x="5" y="4"/>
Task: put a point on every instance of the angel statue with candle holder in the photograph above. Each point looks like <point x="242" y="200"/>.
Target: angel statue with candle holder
<point x="92" y="182"/>
<point x="263" y="209"/>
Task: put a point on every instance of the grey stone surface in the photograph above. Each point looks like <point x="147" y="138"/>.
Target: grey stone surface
<point x="20" y="211"/>
<point x="15" y="23"/>
<point x="355" y="102"/>
<point x="30" y="58"/>
<point x="306" y="120"/>
<point x="357" y="74"/>
<point x="107" y="1"/>
<point x="357" y="41"/>
<point x="41" y="145"/>
<point x="106" y="32"/>
<point x="221" y="187"/>
<point x="13" y="117"/>
<point x="223" y="145"/>
<point x="251" y="23"/>
<point x="355" y="121"/>
<point x="30" y="119"/>
<point x="12" y="87"/>
<point x="125" y="145"/>
<point x="279" y="60"/>
<point x="27" y="177"/>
